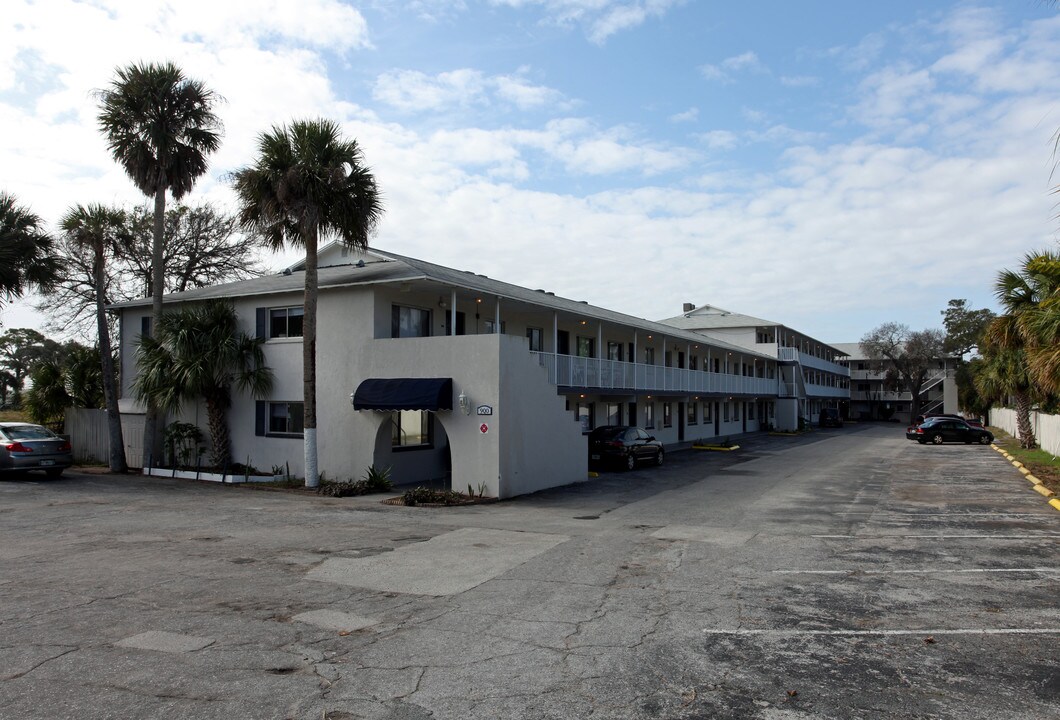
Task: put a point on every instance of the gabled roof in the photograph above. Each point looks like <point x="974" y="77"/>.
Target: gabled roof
<point x="373" y="266"/>
<point x="711" y="317"/>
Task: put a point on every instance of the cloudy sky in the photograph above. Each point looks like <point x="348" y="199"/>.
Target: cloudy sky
<point x="829" y="165"/>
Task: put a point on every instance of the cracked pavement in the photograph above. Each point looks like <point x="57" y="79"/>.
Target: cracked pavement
<point x="842" y="574"/>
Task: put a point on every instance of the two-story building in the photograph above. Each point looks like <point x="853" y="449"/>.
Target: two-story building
<point x="811" y="375"/>
<point x="443" y="373"/>
<point x="872" y="397"/>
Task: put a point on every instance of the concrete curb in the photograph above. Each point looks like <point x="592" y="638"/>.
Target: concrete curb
<point x="716" y="448"/>
<point x="1037" y="484"/>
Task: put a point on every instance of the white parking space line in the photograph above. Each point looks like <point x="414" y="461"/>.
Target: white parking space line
<point x="883" y="633"/>
<point x="940" y="571"/>
<point x="1023" y="536"/>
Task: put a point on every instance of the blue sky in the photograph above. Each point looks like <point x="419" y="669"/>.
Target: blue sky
<point x="828" y="165"/>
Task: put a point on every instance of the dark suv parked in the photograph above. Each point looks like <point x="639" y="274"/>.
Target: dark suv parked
<point x="830" y="417"/>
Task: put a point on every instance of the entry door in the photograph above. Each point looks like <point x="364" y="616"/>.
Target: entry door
<point x="717" y="419"/>
<point x="744" y="416"/>
<point x="632" y="413"/>
<point x="680" y="422"/>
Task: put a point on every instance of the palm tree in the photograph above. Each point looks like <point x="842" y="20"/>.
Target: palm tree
<point x="74" y="380"/>
<point x="160" y="127"/>
<point x="101" y="231"/>
<point x="1003" y="373"/>
<point x="199" y="352"/>
<point x="1042" y="323"/>
<point x="308" y="183"/>
<point x="1014" y="351"/>
<point x="25" y="251"/>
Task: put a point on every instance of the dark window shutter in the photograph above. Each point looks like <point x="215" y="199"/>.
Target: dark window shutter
<point x="145" y="326"/>
<point x="261" y="416"/>
<point x="262" y="317"/>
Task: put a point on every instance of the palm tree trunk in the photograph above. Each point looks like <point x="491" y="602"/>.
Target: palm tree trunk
<point x="152" y="436"/>
<point x="110" y="391"/>
<point x="1023" y="421"/>
<point x="309" y="357"/>
<point x="220" y="439"/>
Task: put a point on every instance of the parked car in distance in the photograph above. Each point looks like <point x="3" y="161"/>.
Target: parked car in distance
<point x="830" y="417"/>
<point x="623" y="444"/>
<point x="24" y="446"/>
<point x="947" y="429"/>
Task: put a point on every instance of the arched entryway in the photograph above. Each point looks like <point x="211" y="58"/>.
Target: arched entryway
<point x="416" y="448"/>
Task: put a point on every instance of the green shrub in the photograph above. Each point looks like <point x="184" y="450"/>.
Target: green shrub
<point x="373" y="481"/>
<point x="377" y="480"/>
<point x="427" y="496"/>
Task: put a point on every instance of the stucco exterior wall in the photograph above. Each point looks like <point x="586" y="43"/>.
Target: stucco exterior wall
<point x="541" y="443"/>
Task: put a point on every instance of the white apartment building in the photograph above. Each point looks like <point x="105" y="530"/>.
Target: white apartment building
<point x="870" y="398"/>
<point x="440" y="373"/>
<point x="812" y="376"/>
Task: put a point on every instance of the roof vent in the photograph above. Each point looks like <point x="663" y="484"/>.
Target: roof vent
<point x="583" y="302"/>
<point x="551" y="293"/>
<point x="287" y="271"/>
<point x="360" y="263"/>
<point x="688" y="307"/>
<point x="539" y="290"/>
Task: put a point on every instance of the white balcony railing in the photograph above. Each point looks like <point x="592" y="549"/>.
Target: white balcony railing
<point x="826" y="391"/>
<point x="788" y="354"/>
<point x="581" y="372"/>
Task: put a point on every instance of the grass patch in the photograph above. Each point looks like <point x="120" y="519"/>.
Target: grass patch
<point x="1042" y="464"/>
<point x="13" y="416"/>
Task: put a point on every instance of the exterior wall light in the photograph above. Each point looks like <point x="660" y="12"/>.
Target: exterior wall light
<point x="464" y="403"/>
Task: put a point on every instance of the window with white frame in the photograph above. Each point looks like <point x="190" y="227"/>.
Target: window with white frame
<point x="750" y="411"/>
<point x="692" y="417"/>
<point x="725" y="411"/>
<point x="668" y="416"/>
<point x="708" y="411"/>
<point x="285" y="322"/>
<point x="649" y="415"/>
<point x="649" y="356"/>
<point x="736" y="411"/>
<point x="279" y="419"/>
<point x="614" y="413"/>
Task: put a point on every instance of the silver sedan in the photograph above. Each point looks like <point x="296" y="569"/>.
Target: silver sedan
<point x="24" y="446"/>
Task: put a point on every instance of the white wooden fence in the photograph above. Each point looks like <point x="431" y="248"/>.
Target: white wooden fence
<point x="1046" y="427"/>
<point x="91" y="441"/>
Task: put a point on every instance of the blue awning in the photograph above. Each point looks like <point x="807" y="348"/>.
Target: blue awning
<point x="404" y="394"/>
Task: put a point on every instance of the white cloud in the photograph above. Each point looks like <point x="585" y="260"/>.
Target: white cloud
<point x="689" y="115"/>
<point x="800" y="81"/>
<point x="412" y="91"/>
<point x="840" y="226"/>
<point x="600" y="18"/>
<point x="725" y="70"/>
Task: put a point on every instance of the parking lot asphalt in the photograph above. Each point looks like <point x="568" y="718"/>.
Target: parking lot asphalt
<point x="846" y="573"/>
